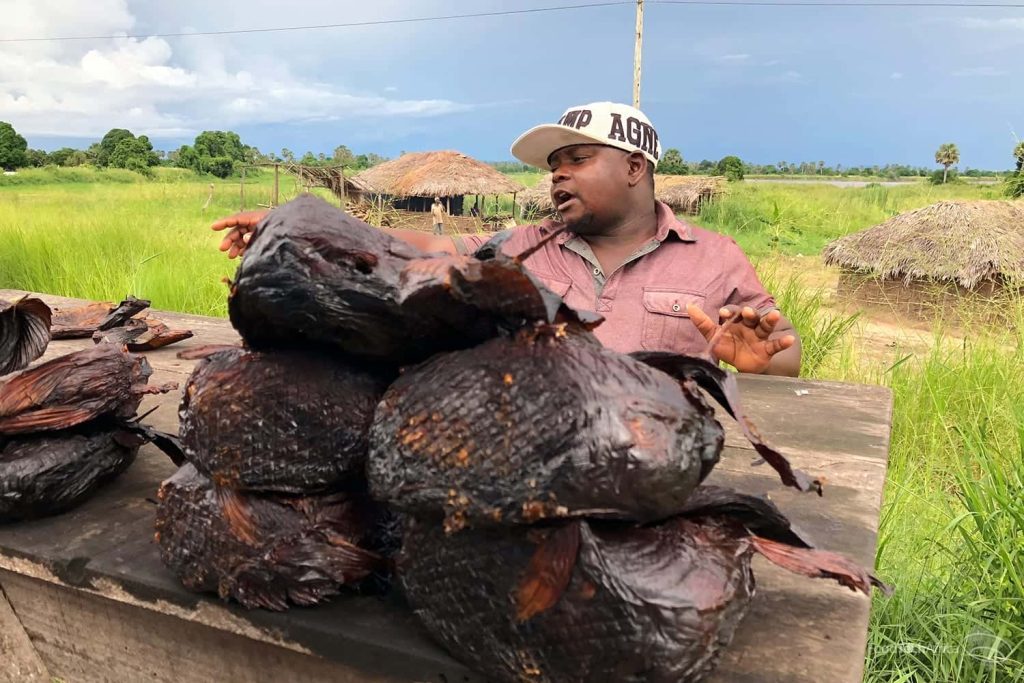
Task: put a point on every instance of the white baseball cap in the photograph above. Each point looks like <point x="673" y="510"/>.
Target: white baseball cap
<point x="598" y="123"/>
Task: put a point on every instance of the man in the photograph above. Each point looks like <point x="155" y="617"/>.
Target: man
<point x="660" y="283"/>
<point x="437" y="211"/>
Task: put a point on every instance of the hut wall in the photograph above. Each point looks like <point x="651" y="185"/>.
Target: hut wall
<point x="423" y="204"/>
<point x="920" y="299"/>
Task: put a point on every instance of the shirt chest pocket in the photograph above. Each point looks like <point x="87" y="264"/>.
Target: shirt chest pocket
<point x="667" y="325"/>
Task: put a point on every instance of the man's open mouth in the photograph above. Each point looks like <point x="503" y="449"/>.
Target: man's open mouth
<point x="561" y="199"/>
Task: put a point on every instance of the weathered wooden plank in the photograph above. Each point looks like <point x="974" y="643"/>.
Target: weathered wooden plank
<point x="19" y="661"/>
<point x="85" y="638"/>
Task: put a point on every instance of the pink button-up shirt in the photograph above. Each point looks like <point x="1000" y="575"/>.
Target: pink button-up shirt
<point x="644" y="301"/>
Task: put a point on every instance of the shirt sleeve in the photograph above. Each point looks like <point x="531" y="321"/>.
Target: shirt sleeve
<point x="744" y="287"/>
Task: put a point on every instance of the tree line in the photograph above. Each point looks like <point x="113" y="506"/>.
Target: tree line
<point x="215" y="152"/>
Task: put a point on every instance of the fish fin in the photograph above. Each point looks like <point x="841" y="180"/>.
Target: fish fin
<point x="125" y="310"/>
<point x="205" y="351"/>
<point x="757" y="514"/>
<point x="58" y="417"/>
<point x="819" y="564"/>
<point x="238" y="515"/>
<point x="549" y="572"/>
<point x="158" y="339"/>
<point x="721" y="385"/>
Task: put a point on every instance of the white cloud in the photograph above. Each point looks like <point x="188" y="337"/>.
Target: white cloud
<point x="790" y="76"/>
<point x="896" y="75"/>
<point x="978" y="71"/>
<point x="773" y="62"/>
<point x="734" y="59"/>
<point x="1004" y="23"/>
<point x="84" y="88"/>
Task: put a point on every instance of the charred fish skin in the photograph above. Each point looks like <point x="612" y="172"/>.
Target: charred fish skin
<point x="262" y="551"/>
<point x="655" y="604"/>
<point x="285" y="421"/>
<point x="50" y="473"/>
<point x="313" y="274"/>
<point x="531" y="427"/>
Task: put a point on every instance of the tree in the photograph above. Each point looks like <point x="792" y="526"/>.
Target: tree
<point x="60" y="157"/>
<point x="672" y="163"/>
<point x="135" y="154"/>
<point x="12" y="147"/>
<point x="1018" y="153"/>
<point x="947" y="155"/>
<point x="288" y="155"/>
<point x="308" y="159"/>
<point x="221" y="143"/>
<point x="343" y="156"/>
<point x="77" y="158"/>
<point x="731" y="167"/>
<point x="109" y="143"/>
<point x="36" y="158"/>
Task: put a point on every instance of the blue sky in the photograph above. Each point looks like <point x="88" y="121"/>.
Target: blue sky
<point x="844" y="85"/>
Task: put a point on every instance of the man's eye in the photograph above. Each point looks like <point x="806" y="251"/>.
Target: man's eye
<point x="579" y="159"/>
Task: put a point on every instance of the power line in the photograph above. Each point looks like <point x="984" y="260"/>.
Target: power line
<point x="534" y="10"/>
<point x="824" y="3"/>
<point x="353" y="24"/>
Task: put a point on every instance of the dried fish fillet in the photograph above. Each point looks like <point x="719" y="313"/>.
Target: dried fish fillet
<point x="70" y="390"/>
<point x="284" y="421"/>
<point x="263" y="551"/>
<point x="49" y="473"/>
<point x="24" y="332"/>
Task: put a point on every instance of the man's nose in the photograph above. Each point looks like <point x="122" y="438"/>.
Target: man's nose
<point x="559" y="174"/>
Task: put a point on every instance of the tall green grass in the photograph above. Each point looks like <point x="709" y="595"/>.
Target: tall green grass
<point x="794" y="219"/>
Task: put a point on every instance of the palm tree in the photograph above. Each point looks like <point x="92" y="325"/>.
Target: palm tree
<point x="1018" y="152"/>
<point x="947" y="155"/>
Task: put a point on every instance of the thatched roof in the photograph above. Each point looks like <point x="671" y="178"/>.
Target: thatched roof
<point x="685" y="194"/>
<point x="962" y="242"/>
<point x="429" y="174"/>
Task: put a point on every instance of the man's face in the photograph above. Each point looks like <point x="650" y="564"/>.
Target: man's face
<point x="589" y="185"/>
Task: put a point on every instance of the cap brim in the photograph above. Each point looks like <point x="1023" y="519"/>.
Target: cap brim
<point x="535" y="145"/>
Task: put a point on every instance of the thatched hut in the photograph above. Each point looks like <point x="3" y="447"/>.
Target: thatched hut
<point x="931" y="259"/>
<point x="413" y="180"/>
<point x="685" y="194"/>
<point x="688" y="194"/>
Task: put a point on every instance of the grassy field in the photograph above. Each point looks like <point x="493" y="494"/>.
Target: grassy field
<point x="952" y="527"/>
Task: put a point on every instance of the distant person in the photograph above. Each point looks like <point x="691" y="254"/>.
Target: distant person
<point x="660" y="283"/>
<point x="437" y="211"/>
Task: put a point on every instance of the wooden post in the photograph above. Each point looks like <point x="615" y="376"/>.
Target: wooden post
<point x="514" y="207"/>
<point x="241" y="191"/>
<point x="277" y="169"/>
<point x="638" y="51"/>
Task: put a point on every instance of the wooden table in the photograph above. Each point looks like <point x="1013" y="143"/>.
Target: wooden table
<point x="84" y="597"/>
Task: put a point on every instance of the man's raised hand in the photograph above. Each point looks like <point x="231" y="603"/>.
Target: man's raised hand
<point x="742" y="337"/>
<point x="240" y="227"/>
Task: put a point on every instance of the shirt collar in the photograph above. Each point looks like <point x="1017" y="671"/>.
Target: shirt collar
<point x="667" y="223"/>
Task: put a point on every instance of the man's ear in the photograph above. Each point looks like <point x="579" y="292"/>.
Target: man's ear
<point x="638" y="168"/>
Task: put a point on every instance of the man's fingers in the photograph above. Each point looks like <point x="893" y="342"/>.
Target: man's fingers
<point x="705" y="325"/>
<point x="750" y="317"/>
<point x="773" y="346"/>
<point x="227" y="242"/>
<point x="767" y="324"/>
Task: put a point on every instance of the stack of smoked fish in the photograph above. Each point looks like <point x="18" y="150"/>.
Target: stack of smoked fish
<point x="555" y="523"/>
<point x="68" y="425"/>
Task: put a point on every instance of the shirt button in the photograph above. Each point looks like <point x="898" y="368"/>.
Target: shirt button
<point x="676" y="307"/>
<point x="597" y="271"/>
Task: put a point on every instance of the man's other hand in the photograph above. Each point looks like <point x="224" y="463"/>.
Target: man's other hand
<point x="240" y="229"/>
<point x="742" y="337"/>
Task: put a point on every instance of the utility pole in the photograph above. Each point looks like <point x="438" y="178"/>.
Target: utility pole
<point x="638" y="52"/>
